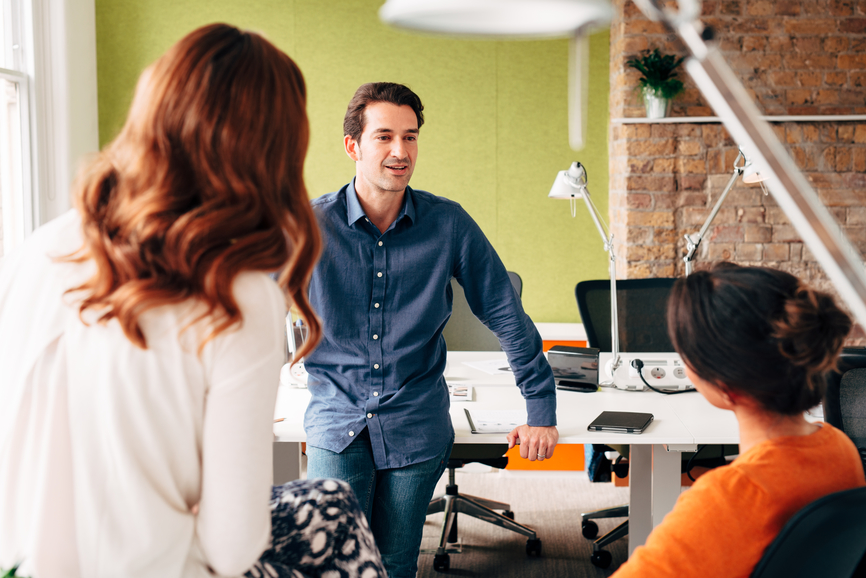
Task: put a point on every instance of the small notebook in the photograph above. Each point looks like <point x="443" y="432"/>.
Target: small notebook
<point x="461" y="392"/>
<point x="494" y="420"/>
<point x="621" y="422"/>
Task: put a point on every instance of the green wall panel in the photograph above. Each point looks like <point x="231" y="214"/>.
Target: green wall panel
<point x="496" y="128"/>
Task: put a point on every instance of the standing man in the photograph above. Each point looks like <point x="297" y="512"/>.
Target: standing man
<point x="378" y="417"/>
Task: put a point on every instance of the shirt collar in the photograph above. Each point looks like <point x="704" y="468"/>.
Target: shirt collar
<point x="354" y="210"/>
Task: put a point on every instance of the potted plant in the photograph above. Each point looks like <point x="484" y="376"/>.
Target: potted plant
<point x="659" y="84"/>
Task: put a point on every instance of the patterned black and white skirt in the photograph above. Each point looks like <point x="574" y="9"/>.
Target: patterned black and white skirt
<point x="318" y="530"/>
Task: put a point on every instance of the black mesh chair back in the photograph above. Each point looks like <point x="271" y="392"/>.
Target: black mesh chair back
<point x="641" y="307"/>
<point x="827" y="538"/>
<point x="464" y="332"/>
<point x="845" y="398"/>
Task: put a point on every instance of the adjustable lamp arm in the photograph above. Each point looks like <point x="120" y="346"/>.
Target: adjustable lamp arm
<point x="576" y="178"/>
<point x="726" y="95"/>
<point x="693" y="241"/>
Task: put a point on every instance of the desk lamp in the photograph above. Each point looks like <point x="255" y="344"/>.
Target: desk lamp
<point x="750" y="175"/>
<point x="719" y="84"/>
<point x="571" y="185"/>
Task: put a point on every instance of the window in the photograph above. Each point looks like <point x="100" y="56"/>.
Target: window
<point x="48" y="109"/>
<point x="16" y="198"/>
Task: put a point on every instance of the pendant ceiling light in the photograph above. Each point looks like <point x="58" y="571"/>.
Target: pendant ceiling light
<point x="497" y="18"/>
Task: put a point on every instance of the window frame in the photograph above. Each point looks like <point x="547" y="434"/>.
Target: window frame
<point x="26" y="214"/>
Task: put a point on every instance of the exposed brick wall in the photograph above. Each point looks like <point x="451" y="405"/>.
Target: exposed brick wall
<point x="796" y="57"/>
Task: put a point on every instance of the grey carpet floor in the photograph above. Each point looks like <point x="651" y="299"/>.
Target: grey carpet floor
<point x="550" y="503"/>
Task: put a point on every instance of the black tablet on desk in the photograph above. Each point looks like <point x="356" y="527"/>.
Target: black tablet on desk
<point x="574" y="368"/>
<point x="621" y="422"/>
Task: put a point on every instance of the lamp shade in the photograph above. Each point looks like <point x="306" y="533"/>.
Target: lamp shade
<point x="569" y="184"/>
<point x="751" y="172"/>
<point x="497" y="18"/>
<point x="752" y="175"/>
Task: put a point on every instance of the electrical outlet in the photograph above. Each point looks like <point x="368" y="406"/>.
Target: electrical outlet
<point x="661" y="370"/>
<point x="294" y="375"/>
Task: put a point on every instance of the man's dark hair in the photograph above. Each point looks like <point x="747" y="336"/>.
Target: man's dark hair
<point x="354" y="121"/>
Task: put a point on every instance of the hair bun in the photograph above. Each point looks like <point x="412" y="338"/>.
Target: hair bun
<point x="811" y="330"/>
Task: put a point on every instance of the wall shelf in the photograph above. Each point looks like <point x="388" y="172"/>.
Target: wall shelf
<point x="715" y="119"/>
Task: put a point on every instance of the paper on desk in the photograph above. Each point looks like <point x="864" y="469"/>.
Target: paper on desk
<point x="461" y="392"/>
<point x="495" y="420"/>
<point x="491" y="366"/>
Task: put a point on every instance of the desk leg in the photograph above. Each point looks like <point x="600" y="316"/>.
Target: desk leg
<point x="667" y="481"/>
<point x="640" y="495"/>
<point x="654" y="486"/>
<point x="287" y="462"/>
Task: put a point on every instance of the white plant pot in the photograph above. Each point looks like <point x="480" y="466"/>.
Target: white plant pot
<point x="656" y="106"/>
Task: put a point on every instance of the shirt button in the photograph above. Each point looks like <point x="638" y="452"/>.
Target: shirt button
<point x="351" y="433"/>
<point x="375" y="336"/>
<point x="380" y="243"/>
<point x="375" y="394"/>
<point x="375" y="366"/>
<point x="379" y="274"/>
<point x="376" y="305"/>
<point x="369" y="415"/>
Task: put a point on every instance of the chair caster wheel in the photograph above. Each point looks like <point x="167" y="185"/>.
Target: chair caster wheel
<point x="441" y="562"/>
<point x="601" y="559"/>
<point x="589" y="529"/>
<point x="533" y="547"/>
<point x="508" y="514"/>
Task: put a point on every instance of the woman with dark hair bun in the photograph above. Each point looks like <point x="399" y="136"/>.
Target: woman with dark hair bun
<point x="141" y="341"/>
<point x="757" y="342"/>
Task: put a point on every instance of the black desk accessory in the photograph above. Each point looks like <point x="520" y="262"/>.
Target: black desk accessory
<point x="621" y="422"/>
<point x="574" y="368"/>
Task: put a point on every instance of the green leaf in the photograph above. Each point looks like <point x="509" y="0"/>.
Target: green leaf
<point x="658" y="73"/>
<point x="11" y="573"/>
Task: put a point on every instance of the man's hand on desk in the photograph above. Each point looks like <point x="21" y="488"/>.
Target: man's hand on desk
<point x="536" y="443"/>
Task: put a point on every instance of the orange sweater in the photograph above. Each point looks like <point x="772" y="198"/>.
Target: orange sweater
<point x="723" y="524"/>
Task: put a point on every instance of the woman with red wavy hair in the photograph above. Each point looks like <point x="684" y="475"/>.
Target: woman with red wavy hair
<point x="141" y="340"/>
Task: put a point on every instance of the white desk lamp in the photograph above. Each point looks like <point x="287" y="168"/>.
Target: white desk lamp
<point x="571" y="185"/>
<point x="751" y="175"/>
<point x="715" y="79"/>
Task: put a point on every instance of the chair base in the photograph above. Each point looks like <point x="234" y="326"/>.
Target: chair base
<point x="600" y="557"/>
<point x="481" y="508"/>
<point x="453" y="503"/>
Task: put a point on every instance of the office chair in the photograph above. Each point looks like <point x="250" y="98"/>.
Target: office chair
<point x="641" y="306"/>
<point x="845" y="397"/>
<point x="641" y="311"/>
<point x="825" y="538"/>
<point x="464" y="332"/>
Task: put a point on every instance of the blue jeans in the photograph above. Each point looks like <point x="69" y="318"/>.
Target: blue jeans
<point x="395" y="501"/>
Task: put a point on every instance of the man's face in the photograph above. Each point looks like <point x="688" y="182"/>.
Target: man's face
<point x="385" y="157"/>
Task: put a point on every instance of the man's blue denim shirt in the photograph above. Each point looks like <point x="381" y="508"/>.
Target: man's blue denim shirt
<point x="384" y="299"/>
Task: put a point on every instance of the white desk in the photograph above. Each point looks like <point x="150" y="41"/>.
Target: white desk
<point x="681" y="422"/>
